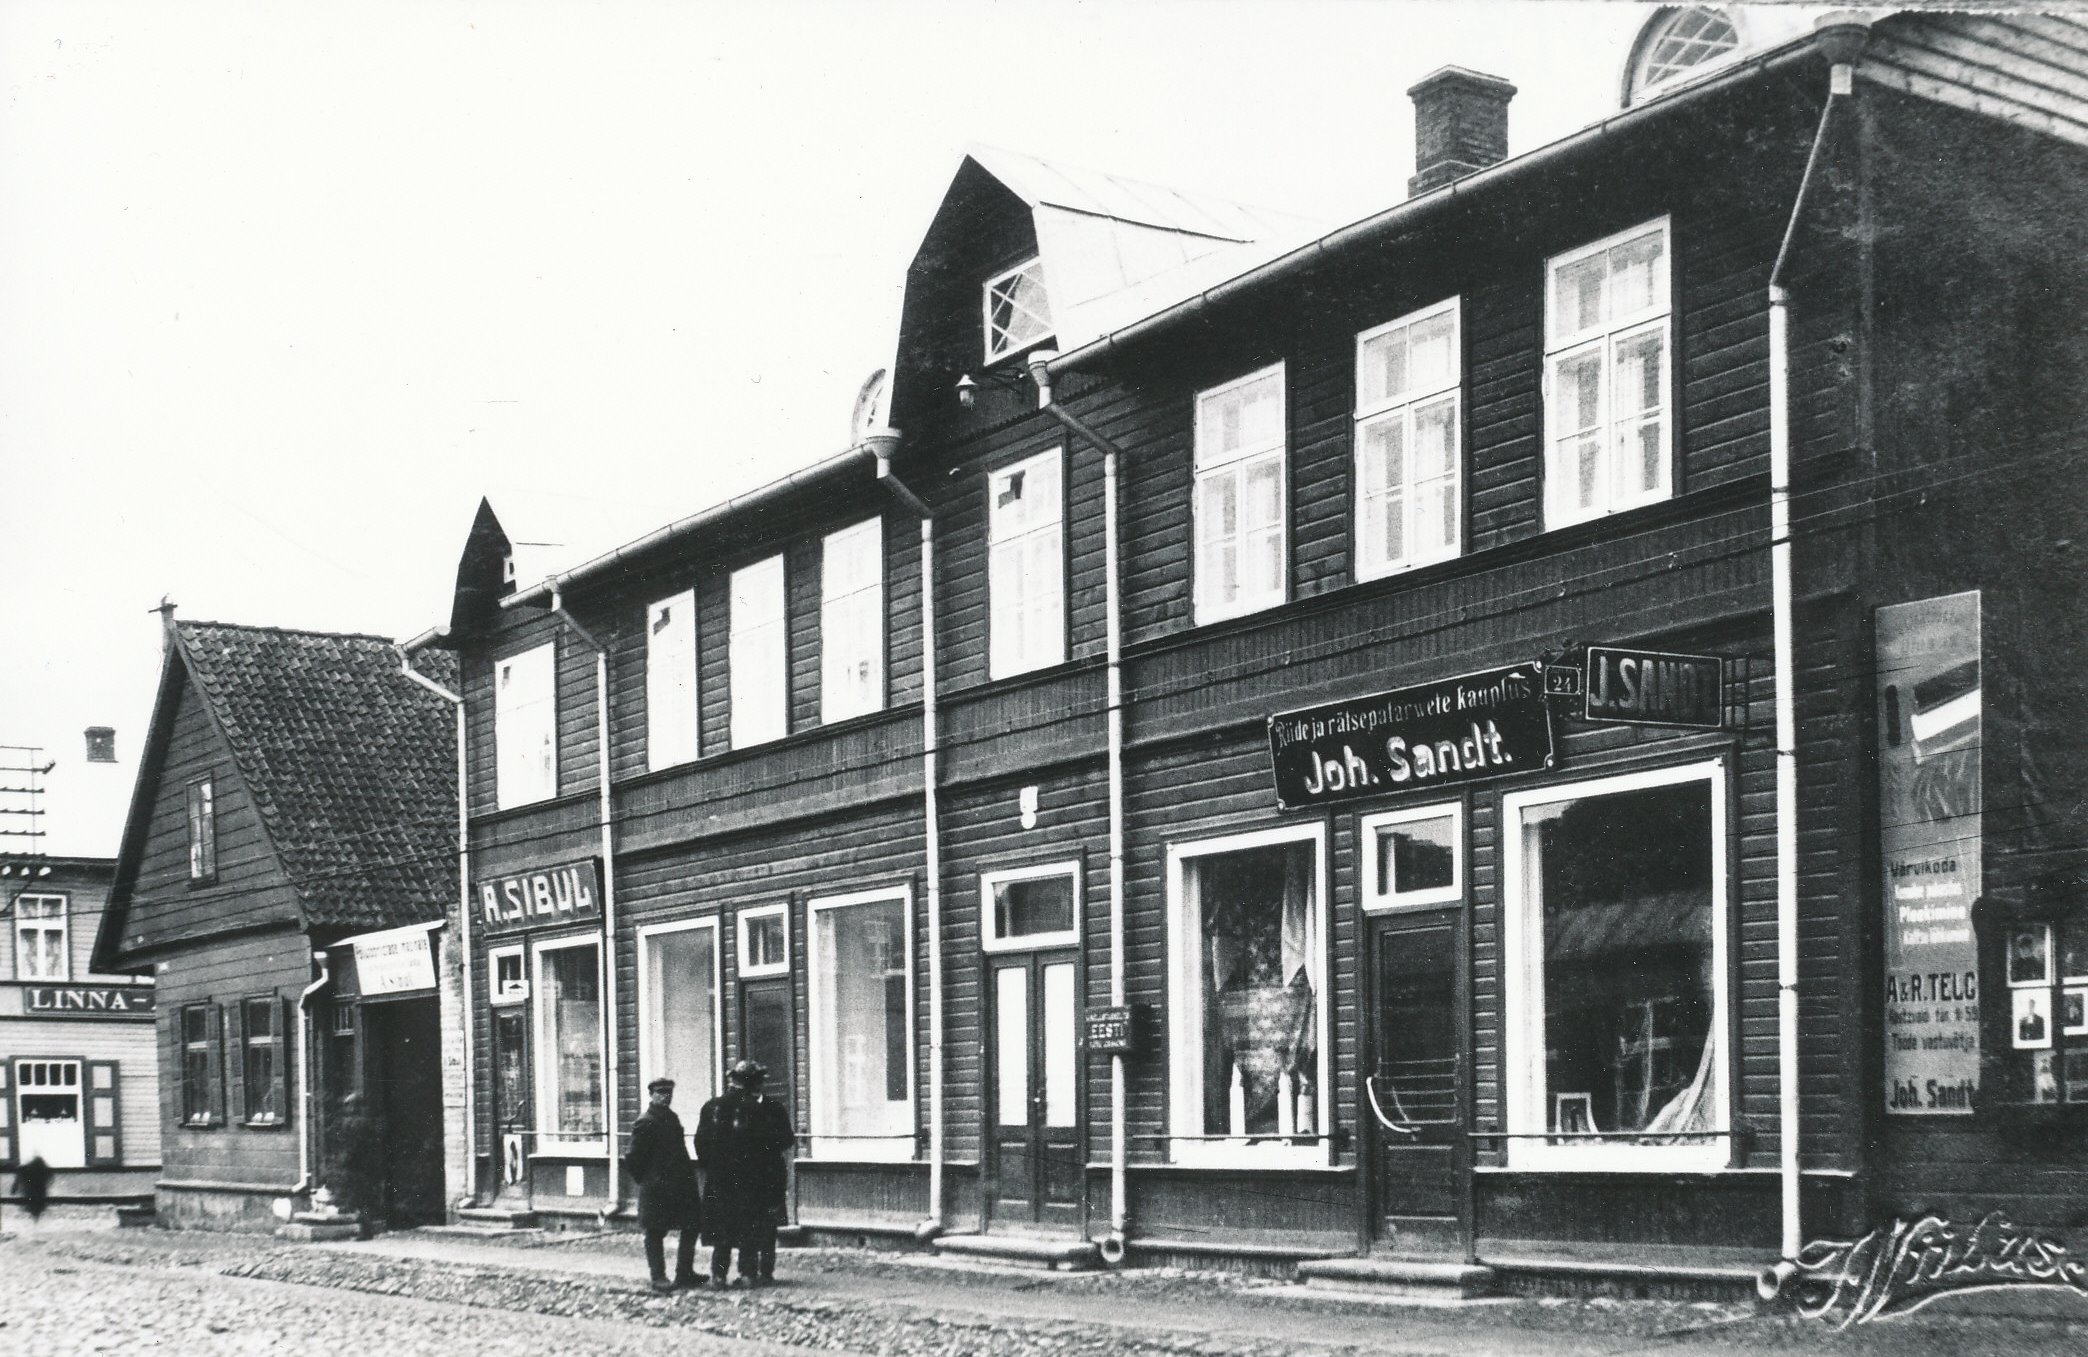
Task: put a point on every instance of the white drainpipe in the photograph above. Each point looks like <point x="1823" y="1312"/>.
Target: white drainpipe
<point x="1843" y="80"/>
<point x="881" y="444"/>
<point x="601" y="652"/>
<point x="1112" y="1245"/>
<point x="304" y="1073"/>
<point x="470" y="1196"/>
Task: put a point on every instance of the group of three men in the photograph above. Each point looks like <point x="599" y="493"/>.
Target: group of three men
<point x="742" y="1141"/>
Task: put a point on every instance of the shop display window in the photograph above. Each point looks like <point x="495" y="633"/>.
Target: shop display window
<point x="2036" y="1035"/>
<point x="1618" y="945"/>
<point x="569" y="1042"/>
<point x="862" y="1068"/>
<point x="1248" y="1054"/>
<point x="679" y="1004"/>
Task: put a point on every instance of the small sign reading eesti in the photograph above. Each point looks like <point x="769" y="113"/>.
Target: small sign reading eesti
<point x="1486" y="725"/>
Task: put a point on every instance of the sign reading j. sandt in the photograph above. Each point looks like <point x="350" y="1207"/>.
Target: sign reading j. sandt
<point x="1654" y="688"/>
<point x="87" y="1001"/>
<point x="546" y="898"/>
<point x="396" y="961"/>
<point x="1485" y="725"/>
<point x="1929" y="810"/>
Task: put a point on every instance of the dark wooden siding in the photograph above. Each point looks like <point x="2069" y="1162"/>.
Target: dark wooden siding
<point x="250" y="890"/>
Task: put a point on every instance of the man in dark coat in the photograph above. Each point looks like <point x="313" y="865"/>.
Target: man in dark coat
<point x="742" y="1138"/>
<point x="667" y="1199"/>
<point x="33" y="1185"/>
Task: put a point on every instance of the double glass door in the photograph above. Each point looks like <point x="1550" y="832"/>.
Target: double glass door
<point x="1037" y="1164"/>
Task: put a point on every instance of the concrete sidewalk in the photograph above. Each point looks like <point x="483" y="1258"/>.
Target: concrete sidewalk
<point x="1201" y="1311"/>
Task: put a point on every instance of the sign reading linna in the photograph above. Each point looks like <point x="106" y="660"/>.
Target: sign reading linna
<point x="568" y="893"/>
<point x="1492" y="724"/>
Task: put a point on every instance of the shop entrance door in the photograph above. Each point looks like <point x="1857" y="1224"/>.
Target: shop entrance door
<point x="1038" y="1168"/>
<point x="405" y="1083"/>
<point x="511" y="1132"/>
<point x="50" y="1114"/>
<point x="1414" y="1085"/>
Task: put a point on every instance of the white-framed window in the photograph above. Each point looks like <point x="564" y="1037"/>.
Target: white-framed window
<point x="1247" y="1054"/>
<point x="1030" y="907"/>
<point x="670" y="681"/>
<point x="263" y="1070"/>
<point x="1413" y="856"/>
<point x="1026" y="565"/>
<point x="1017" y="309"/>
<point x="1614" y="963"/>
<point x="525" y="726"/>
<point x="507" y="980"/>
<point x="1242" y="554"/>
<point x="759" y="655"/>
<point x="681" y="1021"/>
<point x="569" y="1063"/>
<point x="41" y="951"/>
<point x="1409" y="441"/>
<point x="764" y="941"/>
<point x="852" y="622"/>
<point x="1608" y="428"/>
<point x="861" y="1016"/>
<point x="1676" y="43"/>
<point x="202" y="830"/>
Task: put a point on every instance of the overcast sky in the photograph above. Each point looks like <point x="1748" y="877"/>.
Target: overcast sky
<point x="284" y="289"/>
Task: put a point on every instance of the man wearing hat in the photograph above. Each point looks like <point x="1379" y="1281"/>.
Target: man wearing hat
<point x="741" y="1140"/>
<point x="667" y="1198"/>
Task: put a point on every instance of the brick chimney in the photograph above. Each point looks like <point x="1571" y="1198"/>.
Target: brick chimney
<point x="1460" y="126"/>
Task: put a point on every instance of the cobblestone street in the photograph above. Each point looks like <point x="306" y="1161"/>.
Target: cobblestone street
<point x="75" y="1290"/>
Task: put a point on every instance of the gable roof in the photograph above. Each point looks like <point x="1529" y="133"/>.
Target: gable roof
<point x="350" y="765"/>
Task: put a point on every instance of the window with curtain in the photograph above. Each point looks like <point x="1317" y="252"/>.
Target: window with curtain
<point x="670" y="681"/>
<point x="680" y="1012"/>
<point x="758" y="653"/>
<point x="1626" y="986"/>
<point x="1249" y="1067"/>
<point x="260" y="1054"/>
<point x="1240" y="504"/>
<point x="40" y="952"/>
<point x="569" y="1040"/>
<point x="1409" y="457"/>
<point x="862" y="1073"/>
<point x="1608" y="430"/>
<point x="852" y="622"/>
<point x="1026" y="565"/>
<point x="525" y="726"/>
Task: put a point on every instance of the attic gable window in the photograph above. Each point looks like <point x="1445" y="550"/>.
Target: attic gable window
<point x="1675" y="43"/>
<point x="202" y="831"/>
<point x="1018" y="313"/>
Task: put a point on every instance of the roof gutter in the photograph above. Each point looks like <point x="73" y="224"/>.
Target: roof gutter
<point x="1416" y="210"/>
<point x="819" y="471"/>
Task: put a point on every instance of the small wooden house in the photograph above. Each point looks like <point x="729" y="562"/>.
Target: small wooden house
<point x="288" y="854"/>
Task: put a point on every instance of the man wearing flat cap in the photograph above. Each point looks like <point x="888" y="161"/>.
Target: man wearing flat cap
<point x="742" y="1138"/>
<point x="659" y="1163"/>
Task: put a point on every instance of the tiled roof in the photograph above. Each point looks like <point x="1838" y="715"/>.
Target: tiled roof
<point x="352" y="765"/>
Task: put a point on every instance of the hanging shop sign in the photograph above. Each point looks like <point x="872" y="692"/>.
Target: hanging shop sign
<point x="1653" y="688"/>
<point x="1930" y="808"/>
<point x="1486" y="725"/>
<point x="546" y="898"/>
<point x="1113" y="1031"/>
<point x="87" y="1001"/>
<point x="395" y="961"/>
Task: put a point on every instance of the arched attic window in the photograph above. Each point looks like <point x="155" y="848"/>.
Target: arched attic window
<point x="1675" y="42"/>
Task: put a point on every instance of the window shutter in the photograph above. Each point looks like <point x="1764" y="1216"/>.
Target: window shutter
<point x="7" y="1134"/>
<point x="284" y="1053"/>
<point x="104" y="1115"/>
<point x="171" y="1083"/>
<point x="214" y="1062"/>
<point x="235" y="1052"/>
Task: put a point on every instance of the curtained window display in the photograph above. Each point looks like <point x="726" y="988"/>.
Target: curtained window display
<point x="680" y="1005"/>
<point x="1623" y="967"/>
<point x="862" y="1103"/>
<point x="1249" y="1069"/>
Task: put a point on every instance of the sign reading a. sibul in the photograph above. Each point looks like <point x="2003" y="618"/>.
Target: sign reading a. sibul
<point x="1486" y="725"/>
<point x="546" y="898"/>
<point x="1654" y="688"/>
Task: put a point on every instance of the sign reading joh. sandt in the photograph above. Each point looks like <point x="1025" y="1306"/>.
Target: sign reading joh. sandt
<point x="1485" y="725"/>
<point x="545" y="898"/>
<point x="1930" y="810"/>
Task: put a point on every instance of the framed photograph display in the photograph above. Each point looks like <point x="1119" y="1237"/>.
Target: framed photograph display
<point x="2030" y="954"/>
<point x="2073" y="1012"/>
<point x="2030" y="1024"/>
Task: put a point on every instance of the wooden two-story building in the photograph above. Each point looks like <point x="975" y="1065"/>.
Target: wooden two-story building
<point x="289" y="856"/>
<point x="1468" y="736"/>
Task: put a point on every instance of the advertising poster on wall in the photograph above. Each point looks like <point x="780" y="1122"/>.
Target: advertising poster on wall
<point x="1929" y="810"/>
